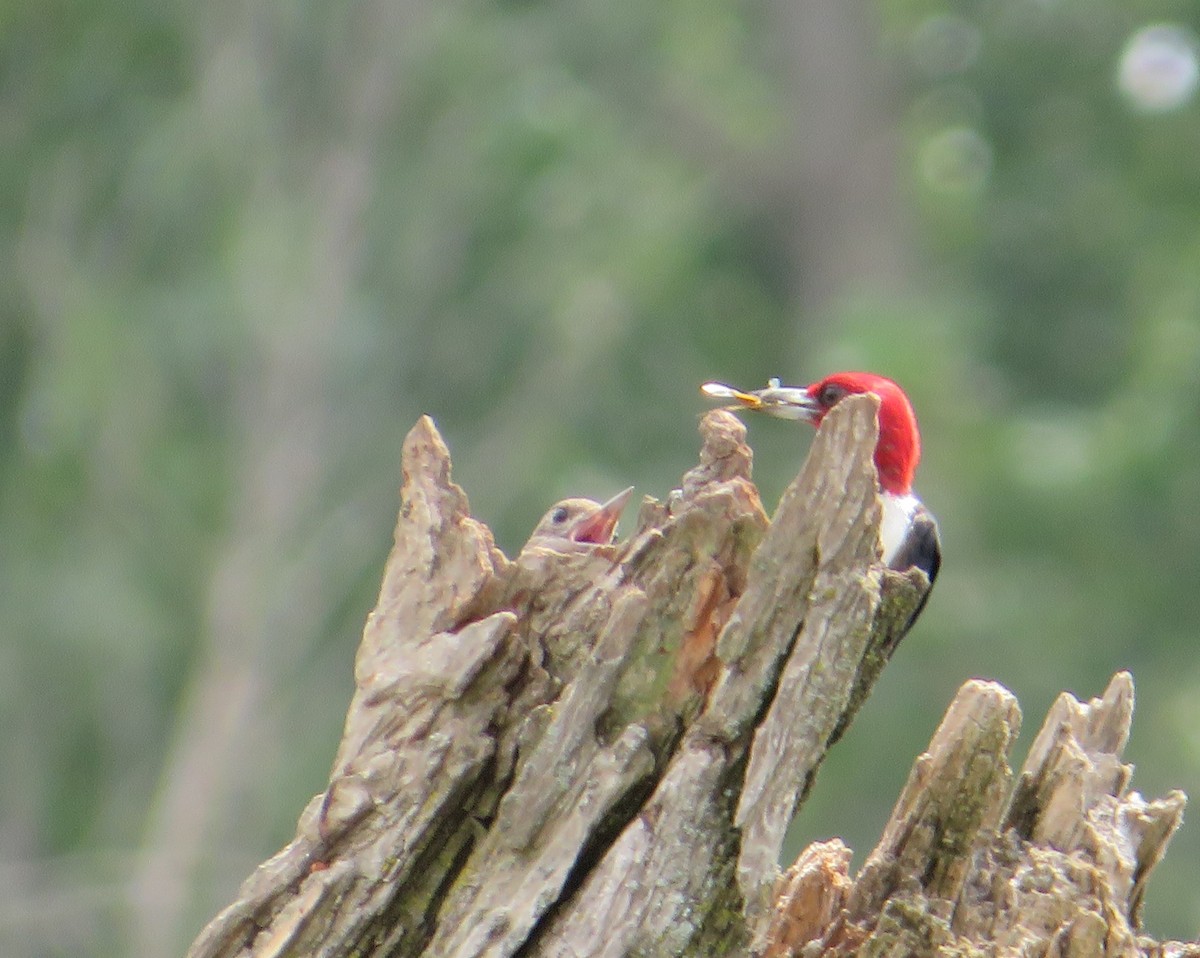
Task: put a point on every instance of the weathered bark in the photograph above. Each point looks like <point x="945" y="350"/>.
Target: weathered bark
<point x="598" y="752"/>
<point x="970" y="865"/>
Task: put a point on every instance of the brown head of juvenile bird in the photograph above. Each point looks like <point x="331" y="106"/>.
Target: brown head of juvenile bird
<point x="576" y="524"/>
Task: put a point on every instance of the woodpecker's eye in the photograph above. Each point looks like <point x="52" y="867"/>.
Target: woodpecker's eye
<point x="830" y="394"/>
<point x="559" y="515"/>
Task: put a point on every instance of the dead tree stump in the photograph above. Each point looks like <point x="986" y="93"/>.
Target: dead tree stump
<point x="598" y="752"/>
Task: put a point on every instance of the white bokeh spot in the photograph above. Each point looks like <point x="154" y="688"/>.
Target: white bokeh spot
<point x="1158" y="70"/>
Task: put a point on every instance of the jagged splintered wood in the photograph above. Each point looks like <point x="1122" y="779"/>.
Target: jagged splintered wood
<point x="970" y="865"/>
<point x="597" y="753"/>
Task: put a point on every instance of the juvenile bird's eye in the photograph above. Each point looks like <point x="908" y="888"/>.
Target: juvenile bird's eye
<point x="559" y="515"/>
<point x="830" y="394"/>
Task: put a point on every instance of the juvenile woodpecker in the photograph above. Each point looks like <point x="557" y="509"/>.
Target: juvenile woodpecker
<point x="573" y="524"/>
<point x="908" y="532"/>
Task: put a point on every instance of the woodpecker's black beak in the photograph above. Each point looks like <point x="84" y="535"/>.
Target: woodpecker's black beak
<point x="601" y="525"/>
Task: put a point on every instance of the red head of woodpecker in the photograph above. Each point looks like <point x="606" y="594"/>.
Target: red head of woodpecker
<point x="574" y="524"/>
<point x="908" y="532"/>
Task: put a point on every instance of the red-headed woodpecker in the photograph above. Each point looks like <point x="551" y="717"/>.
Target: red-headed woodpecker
<point x="573" y="524"/>
<point x="908" y="532"/>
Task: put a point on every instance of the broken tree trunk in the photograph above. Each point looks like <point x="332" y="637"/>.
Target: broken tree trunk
<point x="971" y="865"/>
<point x="598" y="752"/>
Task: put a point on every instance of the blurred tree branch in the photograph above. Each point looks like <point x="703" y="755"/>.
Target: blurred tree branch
<point x="598" y="753"/>
<point x="845" y="230"/>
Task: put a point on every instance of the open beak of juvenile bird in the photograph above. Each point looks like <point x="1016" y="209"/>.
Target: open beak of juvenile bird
<point x="598" y="527"/>
<point x="783" y="402"/>
<point x="575" y="523"/>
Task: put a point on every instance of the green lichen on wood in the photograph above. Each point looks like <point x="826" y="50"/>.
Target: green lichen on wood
<point x="906" y="928"/>
<point x="650" y="690"/>
<point x="899" y="596"/>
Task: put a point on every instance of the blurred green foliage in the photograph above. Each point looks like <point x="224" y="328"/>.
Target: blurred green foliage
<point x="248" y="246"/>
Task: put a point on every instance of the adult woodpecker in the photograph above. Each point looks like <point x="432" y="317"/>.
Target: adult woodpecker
<point x="574" y="524"/>
<point x="908" y="533"/>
